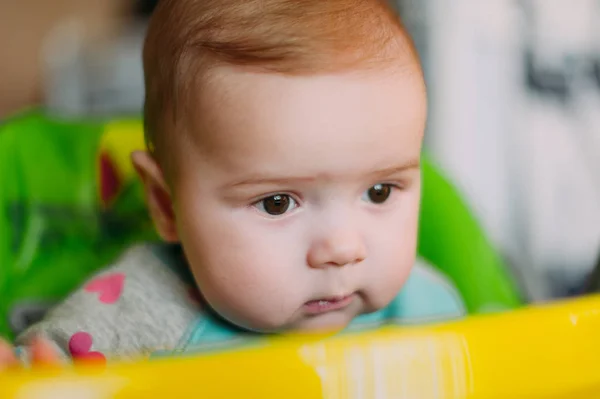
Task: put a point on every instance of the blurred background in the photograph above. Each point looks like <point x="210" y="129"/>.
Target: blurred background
<point x="514" y="120"/>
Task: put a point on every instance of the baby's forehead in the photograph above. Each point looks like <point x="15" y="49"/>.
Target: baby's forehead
<point x="233" y="85"/>
<point x="257" y="121"/>
<point x="187" y="39"/>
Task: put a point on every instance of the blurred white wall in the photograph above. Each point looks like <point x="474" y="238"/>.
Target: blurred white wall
<point x="515" y="121"/>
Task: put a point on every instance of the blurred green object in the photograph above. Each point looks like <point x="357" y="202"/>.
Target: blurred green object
<point x="451" y="238"/>
<point x="55" y="231"/>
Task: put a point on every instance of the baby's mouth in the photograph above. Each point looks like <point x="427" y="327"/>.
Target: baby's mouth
<point x="324" y="305"/>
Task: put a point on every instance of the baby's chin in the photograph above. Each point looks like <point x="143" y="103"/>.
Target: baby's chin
<point x="330" y="323"/>
<point x="329" y="327"/>
<point x="308" y="326"/>
<point x="300" y="321"/>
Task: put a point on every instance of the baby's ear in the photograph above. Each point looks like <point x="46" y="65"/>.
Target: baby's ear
<point x="158" y="195"/>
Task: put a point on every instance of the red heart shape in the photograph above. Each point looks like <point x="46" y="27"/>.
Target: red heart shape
<point x="110" y="180"/>
<point x="109" y="287"/>
<point x="80" y="345"/>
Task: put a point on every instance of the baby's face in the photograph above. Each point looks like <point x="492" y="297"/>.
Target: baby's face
<point x="297" y="199"/>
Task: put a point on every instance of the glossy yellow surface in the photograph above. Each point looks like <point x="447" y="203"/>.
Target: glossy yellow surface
<point x="119" y="139"/>
<point x="550" y="351"/>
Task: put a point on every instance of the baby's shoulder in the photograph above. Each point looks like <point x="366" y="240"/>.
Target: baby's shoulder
<point x="139" y="304"/>
<point x="150" y="273"/>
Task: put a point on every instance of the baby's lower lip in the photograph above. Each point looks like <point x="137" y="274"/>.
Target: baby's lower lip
<point x="325" y="305"/>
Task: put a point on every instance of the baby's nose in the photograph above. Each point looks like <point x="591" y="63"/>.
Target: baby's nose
<point x="339" y="248"/>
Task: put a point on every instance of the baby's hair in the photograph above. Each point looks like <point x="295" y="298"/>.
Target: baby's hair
<point x="186" y="39"/>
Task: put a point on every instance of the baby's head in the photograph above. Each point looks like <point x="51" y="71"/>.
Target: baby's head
<point x="284" y="142"/>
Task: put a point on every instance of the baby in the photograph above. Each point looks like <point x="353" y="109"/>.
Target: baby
<point x="282" y="174"/>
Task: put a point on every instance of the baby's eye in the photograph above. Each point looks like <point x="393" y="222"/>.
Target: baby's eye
<point x="378" y="194"/>
<point x="276" y="205"/>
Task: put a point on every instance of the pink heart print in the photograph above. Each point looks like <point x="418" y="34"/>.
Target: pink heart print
<point x="109" y="287"/>
<point x="80" y="346"/>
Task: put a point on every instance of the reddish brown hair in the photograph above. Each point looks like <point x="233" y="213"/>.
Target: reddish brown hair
<point x="187" y="38"/>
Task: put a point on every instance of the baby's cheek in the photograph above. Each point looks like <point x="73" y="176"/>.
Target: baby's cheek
<point x="252" y="296"/>
<point x="252" y="312"/>
<point x="389" y="276"/>
<point x="385" y="291"/>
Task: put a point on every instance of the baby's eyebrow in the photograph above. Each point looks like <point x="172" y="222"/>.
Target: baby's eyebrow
<point x="279" y="180"/>
<point x="394" y="170"/>
<point x="273" y="180"/>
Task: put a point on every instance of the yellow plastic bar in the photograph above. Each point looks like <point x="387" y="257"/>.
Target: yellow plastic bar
<point x="550" y="351"/>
